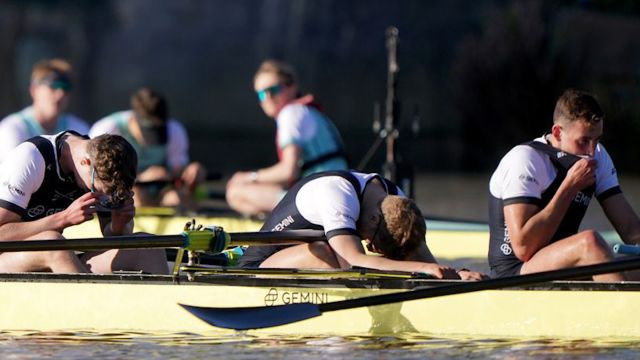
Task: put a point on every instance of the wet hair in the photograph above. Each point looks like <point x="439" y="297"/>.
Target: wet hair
<point x="115" y="162"/>
<point x="402" y="229"/>
<point x="285" y="72"/>
<point x="150" y="105"/>
<point x="577" y="105"/>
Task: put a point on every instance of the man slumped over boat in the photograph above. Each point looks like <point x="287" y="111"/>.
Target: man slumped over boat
<point x="51" y="182"/>
<point x="541" y="190"/>
<point x="351" y="206"/>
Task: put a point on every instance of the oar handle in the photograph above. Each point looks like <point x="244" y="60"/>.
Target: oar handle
<point x="626" y="249"/>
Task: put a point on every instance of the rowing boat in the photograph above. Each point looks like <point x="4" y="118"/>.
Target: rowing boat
<point x="457" y="242"/>
<point x="134" y="302"/>
<point x="129" y="302"/>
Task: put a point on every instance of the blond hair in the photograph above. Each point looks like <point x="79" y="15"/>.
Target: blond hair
<point x="403" y="227"/>
<point x="48" y="67"/>
<point x="285" y="72"/>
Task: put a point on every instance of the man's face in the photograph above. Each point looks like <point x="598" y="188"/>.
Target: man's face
<point x="49" y="101"/>
<point x="578" y="137"/>
<point x="272" y="94"/>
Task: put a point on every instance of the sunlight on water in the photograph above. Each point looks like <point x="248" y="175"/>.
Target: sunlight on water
<point x="85" y="344"/>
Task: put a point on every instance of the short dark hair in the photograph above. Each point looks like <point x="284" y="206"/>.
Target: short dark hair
<point x="115" y="162"/>
<point x="150" y="105"/>
<point x="577" y="105"/>
<point x="402" y="229"/>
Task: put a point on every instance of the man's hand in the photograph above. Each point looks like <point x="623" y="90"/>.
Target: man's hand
<point x="582" y="174"/>
<point x="471" y="275"/>
<point x="81" y="210"/>
<point x="154" y="173"/>
<point x="440" y="271"/>
<point x="122" y="217"/>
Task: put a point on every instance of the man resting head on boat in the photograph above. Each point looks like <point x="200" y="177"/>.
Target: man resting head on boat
<point x="351" y="207"/>
<point x="52" y="182"/>
<point x="306" y="141"/>
<point x="166" y="177"/>
<point x="541" y="190"/>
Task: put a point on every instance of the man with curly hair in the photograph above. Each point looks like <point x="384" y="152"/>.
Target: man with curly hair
<point x="351" y="207"/>
<point x="52" y="182"/>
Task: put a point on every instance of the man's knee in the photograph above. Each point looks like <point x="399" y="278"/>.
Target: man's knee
<point x="593" y="243"/>
<point x="46" y="235"/>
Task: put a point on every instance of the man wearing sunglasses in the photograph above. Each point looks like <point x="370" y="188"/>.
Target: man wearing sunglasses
<point x="306" y="140"/>
<point x="52" y="182"/>
<point x="49" y="89"/>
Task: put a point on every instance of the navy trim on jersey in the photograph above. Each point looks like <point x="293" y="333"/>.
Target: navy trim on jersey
<point x="609" y="193"/>
<point x="523" y="200"/>
<point x="344" y="231"/>
<point x="13" y="207"/>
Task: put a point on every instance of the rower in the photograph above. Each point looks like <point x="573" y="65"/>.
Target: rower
<point x="166" y="176"/>
<point x="351" y="207"/>
<point x="50" y="90"/>
<point x="307" y="142"/>
<point x="52" y="182"/>
<point x="541" y="190"/>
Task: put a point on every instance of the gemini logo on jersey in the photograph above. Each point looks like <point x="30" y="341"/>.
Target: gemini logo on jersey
<point x="506" y="246"/>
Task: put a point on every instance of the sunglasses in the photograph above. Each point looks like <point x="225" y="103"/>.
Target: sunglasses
<point x="104" y="202"/>
<point x="271" y="90"/>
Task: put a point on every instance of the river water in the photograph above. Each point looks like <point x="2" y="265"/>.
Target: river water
<point x="244" y="346"/>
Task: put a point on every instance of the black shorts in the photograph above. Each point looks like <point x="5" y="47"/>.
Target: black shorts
<point x="505" y="270"/>
<point x="255" y="255"/>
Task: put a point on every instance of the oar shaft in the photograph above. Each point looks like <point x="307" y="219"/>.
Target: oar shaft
<point x="185" y="240"/>
<point x="277" y="237"/>
<point x="113" y="242"/>
<point x="528" y="279"/>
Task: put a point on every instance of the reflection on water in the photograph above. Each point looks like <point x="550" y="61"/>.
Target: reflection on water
<point x="85" y="345"/>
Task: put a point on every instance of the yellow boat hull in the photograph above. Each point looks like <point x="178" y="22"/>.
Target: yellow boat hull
<point x="149" y="304"/>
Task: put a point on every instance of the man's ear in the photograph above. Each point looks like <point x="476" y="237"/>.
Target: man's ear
<point x="556" y="131"/>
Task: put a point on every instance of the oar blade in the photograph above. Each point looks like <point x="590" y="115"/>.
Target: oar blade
<point x="246" y="318"/>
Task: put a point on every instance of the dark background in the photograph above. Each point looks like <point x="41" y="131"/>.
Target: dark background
<point x="482" y="75"/>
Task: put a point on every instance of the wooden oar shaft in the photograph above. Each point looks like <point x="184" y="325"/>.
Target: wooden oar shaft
<point x="520" y="280"/>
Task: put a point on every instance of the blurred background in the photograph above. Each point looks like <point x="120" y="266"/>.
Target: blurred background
<point x="477" y="76"/>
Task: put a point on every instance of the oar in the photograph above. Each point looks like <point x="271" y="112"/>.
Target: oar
<point x="244" y="318"/>
<point x="197" y="240"/>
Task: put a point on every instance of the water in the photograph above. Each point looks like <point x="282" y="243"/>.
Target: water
<point x="87" y="345"/>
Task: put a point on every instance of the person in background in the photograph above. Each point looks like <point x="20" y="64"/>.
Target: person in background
<point x="50" y="88"/>
<point x="351" y="207"/>
<point x="52" y="182"/>
<point x="306" y="141"/>
<point x="166" y="177"/>
<point x="541" y="190"/>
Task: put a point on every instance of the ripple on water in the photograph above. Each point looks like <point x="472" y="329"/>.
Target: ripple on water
<point x="243" y="345"/>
